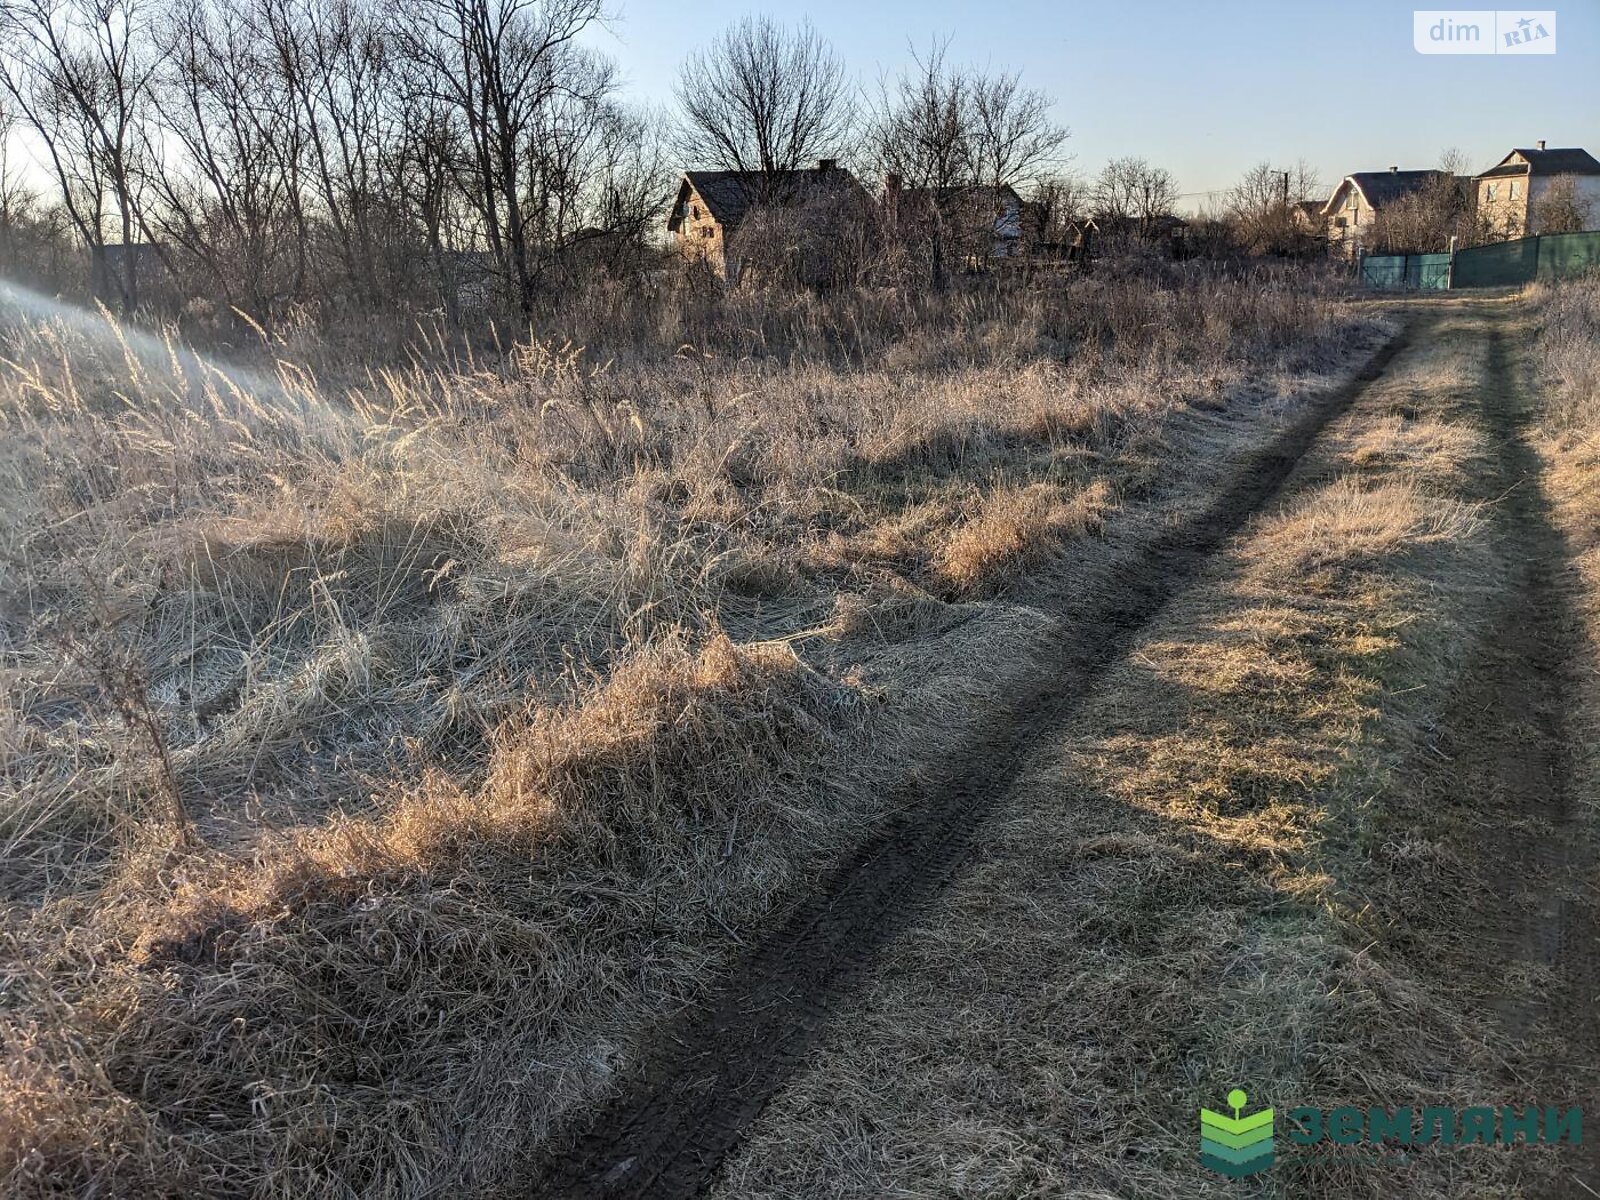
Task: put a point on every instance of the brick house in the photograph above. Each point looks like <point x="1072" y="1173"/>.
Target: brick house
<point x="712" y="206"/>
<point x="1353" y="211"/>
<point x="1516" y="197"/>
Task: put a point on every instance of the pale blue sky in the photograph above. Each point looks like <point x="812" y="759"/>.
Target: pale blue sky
<point x="1203" y="89"/>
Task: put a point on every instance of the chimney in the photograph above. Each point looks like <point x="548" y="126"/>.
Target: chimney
<point x="1394" y="170"/>
<point x="1541" y="143"/>
<point x="827" y="164"/>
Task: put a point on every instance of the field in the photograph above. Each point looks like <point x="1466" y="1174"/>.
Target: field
<point x="788" y="743"/>
<point x="1318" y="828"/>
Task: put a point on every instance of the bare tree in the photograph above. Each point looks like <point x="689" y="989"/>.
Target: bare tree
<point x="940" y="133"/>
<point x="1260" y="208"/>
<point x="332" y="59"/>
<point x="1060" y="200"/>
<point x="1562" y="209"/>
<point x="1132" y="191"/>
<point x="763" y="98"/>
<point x="920" y="137"/>
<point x="16" y="199"/>
<point x="79" y="72"/>
<point x="495" y="66"/>
<point x="227" y="196"/>
<point x="32" y="236"/>
<point x="1454" y="161"/>
<point x="630" y="180"/>
<point x="1423" y="221"/>
<point x="1014" y="138"/>
<point x="1426" y="220"/>
<point x="432" y="165"/>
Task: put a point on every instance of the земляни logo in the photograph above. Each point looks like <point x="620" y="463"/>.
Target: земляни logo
<point x="1236" y="1145"/>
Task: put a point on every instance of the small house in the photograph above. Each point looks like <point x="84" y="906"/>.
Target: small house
<point x="1166" y="232"/>
<point x="980" y="222"/>
<point x="713" y="206"/>
<point x="1308" y="217"/>
<point x="1540" y="190"/>
<point x="1358" y="203"/>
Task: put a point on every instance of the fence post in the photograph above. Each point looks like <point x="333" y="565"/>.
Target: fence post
<point x="1450" y="270"/>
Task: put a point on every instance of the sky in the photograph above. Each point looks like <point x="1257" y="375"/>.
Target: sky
<point x="1205" y="90"/>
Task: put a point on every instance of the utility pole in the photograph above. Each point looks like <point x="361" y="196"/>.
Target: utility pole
<point x="1285" y="175"/>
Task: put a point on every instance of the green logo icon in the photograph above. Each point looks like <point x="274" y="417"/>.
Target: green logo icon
<point x="1236" y="1146"/>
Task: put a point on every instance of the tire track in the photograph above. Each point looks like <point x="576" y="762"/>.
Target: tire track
<point x="716" y="1066"/>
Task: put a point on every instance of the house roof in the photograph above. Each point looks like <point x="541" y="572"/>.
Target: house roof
<point x="1385" y="187"/>
<point x="972" y="202"/>
<point x="1569" y="160"/>
<point x="729" y="195"/>
<point x="1001" y="193"/>
<point x="1165" y="223"/>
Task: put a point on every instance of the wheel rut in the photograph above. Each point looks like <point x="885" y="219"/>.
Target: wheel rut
<point x="714" y="1067"/>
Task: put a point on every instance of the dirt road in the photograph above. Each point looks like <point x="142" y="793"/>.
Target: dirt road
<point x="1229" y="796"/>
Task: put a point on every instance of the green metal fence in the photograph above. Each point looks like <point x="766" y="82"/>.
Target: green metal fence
<point x="1502" y="264"/>
<point x="1567" y="254"/>
<point x="1405" y="271"/>
<point x="1383" y="271"/>
<point x="1428" y="271"/>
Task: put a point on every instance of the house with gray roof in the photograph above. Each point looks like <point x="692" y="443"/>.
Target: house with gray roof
<point x="1353" y="211"/>
<point x="1540" y="190"/>
<point x="713" y="205"/>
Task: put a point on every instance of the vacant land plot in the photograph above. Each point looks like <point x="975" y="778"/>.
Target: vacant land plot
<point x="1319" y="834"/>
<point x="935" y="763"/>
<point x="384" y="755"/>
<point x="1311" y="827"/>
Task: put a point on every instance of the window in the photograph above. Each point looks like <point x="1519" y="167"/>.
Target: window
<point x="1489" y="191"/>
<point x="694" y="211"/>
<point x="1513" y="189"/>
<point x="706" y="231"/>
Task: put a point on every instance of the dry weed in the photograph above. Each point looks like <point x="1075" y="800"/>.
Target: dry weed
<point x="1180" y="898"/>
<point x="508" y="694"/>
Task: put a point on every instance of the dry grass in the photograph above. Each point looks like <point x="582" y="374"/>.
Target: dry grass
<point x="1216" y="874"/>
<point x="1569" y="357"/>
<point x="384" y="747"/>
<point x="1568" y="317"/>
<point x="1355" y="525"/>
<point x="1015" y="530"/>
<point x="356" y="1004"/>
<point x="1567" y="430"/>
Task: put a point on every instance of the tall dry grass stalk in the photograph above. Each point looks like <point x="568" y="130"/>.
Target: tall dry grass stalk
<point x="505" y="691"/>
<point x="1568" y="437"/>
<point x="1230" y="866"/>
